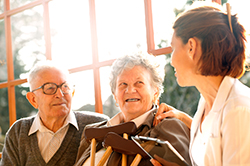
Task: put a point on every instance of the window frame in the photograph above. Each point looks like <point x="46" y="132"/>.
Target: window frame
<point x="150" y="30"/>
<point x="95" y="66"/>
<point x="12" y="82"/>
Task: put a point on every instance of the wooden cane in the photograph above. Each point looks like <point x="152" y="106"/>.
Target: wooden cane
<point x="136" y="160"/>
<point x="124" y="156"/>
<point x="105" y="156"/>
<point x="138" y="157"/>
<point x="92" y="154"/>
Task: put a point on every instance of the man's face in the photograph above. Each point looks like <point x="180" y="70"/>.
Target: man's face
<point x="51" y="107"/>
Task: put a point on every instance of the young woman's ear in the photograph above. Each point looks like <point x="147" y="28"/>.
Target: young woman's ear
<point x="192" y="45"/>
<point x="32" y="99"/>
<point x="194" y="51"/>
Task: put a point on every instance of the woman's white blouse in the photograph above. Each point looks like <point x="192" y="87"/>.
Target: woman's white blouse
<point x="225" y="137"/>
<point x="199" y="148"/>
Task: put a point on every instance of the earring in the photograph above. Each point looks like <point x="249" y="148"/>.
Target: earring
<point x="116" y="104"/>
<point x="153" y="104"/>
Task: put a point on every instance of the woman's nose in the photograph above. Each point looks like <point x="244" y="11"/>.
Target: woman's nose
<point x="171" y="63"/>
<point x="130" y="89"/>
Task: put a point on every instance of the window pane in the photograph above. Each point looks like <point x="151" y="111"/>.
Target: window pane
<point x="23" y="107"/>
<point x="84" y="97"/>
<point x="120" y="28"/>
<point x="28" y="39"/>
<point x="4" y="115"/>
<point x="163" y="19"/>
<point x="109" y="107"/>
<point x="1" y="6"/>
<point x="3" y="65"/>
<point x="241" y="8"/>
<point x="18" y="3"/>
<point x="70" y="31"/>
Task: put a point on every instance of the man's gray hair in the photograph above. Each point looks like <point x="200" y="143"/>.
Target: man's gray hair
<point x="44" y="65"/>
<point x="145" y="60"/>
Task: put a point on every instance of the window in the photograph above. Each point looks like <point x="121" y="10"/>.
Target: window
<point x="85" y="36"/>
<point x="157" y="29"/>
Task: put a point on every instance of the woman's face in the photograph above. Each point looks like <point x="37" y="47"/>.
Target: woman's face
<point x="134" y="92"/>
<point x="182" y="62"/>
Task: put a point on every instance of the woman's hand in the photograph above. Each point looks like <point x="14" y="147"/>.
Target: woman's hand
<point x="169" y="111"/>
<point x="158" y="161"/>
<point x="165" y="111"/>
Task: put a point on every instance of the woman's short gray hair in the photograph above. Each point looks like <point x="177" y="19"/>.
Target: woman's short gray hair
<point x="139" y="59"/>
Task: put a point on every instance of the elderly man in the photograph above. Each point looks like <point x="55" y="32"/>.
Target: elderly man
<point x="52" y="136"/>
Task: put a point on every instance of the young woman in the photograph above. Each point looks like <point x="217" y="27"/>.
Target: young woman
<point x="209" y="53"/>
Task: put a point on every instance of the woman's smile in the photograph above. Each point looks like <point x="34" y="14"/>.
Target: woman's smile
<point x="132" y="100"/>
<point x="134" y="93"/>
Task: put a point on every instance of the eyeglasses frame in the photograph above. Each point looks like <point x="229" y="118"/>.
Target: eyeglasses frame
<point x="57" y="86"/>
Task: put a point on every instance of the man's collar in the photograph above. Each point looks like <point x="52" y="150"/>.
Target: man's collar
<point x="35" y="125"/>
<point x="72" y="119"/>
<point x="38" y="125"/>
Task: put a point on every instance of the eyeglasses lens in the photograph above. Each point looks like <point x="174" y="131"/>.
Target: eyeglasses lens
<point x="65" y="88"/>
<point x="49" y="88"/>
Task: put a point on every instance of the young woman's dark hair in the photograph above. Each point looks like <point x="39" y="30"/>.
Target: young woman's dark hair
<point x="223" y="51"/>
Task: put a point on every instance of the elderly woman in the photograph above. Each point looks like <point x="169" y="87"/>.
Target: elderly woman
<point x="136" y="83"/>
<point x="209" y="53"/>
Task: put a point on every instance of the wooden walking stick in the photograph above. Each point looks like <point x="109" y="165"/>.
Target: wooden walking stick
<point x="105" y="156"/>
<point x="124" y="156"/>
<point x="138" y="157"/>
<point x="92" y="154"/>
<point x="136" y="160"/>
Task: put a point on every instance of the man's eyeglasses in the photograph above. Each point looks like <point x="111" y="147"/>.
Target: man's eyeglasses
<point x="50" y="88"/>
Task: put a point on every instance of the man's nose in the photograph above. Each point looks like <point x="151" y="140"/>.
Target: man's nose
<point x="59" y="92"/>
